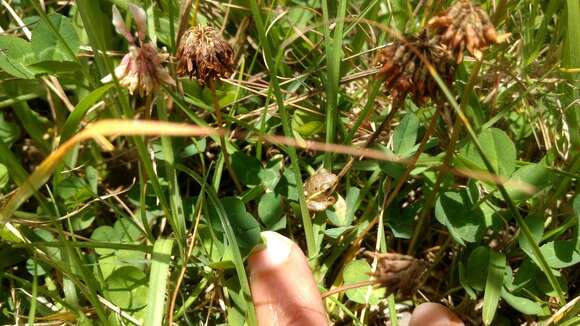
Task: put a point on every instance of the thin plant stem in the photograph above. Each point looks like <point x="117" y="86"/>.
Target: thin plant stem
<point x="223" y="144"/>
<point x="194" y="15"/>
<point x="171" y="307"/>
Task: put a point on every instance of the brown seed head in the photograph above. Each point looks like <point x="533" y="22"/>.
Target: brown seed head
<point x="404" y="66"/>
<point x="398" y="272"/>
<point x="465" y="26"/>
<point x="202" y="53"/>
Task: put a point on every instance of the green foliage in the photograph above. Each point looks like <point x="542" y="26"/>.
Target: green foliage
<point x="16" y="56"/>
<point x="487" y="196"/>
<point x="357" y="271"/>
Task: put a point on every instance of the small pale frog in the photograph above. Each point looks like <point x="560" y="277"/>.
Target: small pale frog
<point x="318" y="190"/>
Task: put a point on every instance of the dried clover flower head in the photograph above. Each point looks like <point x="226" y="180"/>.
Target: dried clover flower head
<point x="403" y="65"/>
<point x="398" y="272"/>
<point x="202" y="53"/>
<point x="141" y="68"/>
<point x="465" y="26"/>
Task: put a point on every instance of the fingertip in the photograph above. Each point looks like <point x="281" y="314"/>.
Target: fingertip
<point x="283" y="289"/>
<point x="434" y="314"/>
<point x="275" y="252"/>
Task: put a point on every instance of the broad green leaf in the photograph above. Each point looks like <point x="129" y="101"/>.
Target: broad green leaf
<point x="127" y="288"/>
<point x="156" y="297"/>
<point x="493" y="285"/>
<point x="352" y="198"/>
<point x="456" y="211"/>
<point x="198" y="146"/>
<point x="498" y="148"/>
<point x="15" y="56"/>
<point x="127" y="230"/>
<point x="405" y="134"/>
<point x="392" y="169"/>
<point x="245" y="227"/>
<point x="271" y="174"/>
<point x="534" y="175"/>
<point x="269" y="177"/>
<point x="337" y="232"/>
<point x="306" y="123"/>
<point x="400" y="220"/>
<point x="561" y="253"/>
<point x="523" y="305"/>
<point x="357" y="271"/>
<point x="337" y="213"/>
<point x="270" y="209"/>
<point x="48" y="46"/>
<point x="92" y="176"/>
<point x="247" y="168"/>
<point x="84" y="219"/>
<point x="477" y="261"/>
<point x="105" y="233"/>
<point x="73" y="190"/>
<point x="287" y="186"/>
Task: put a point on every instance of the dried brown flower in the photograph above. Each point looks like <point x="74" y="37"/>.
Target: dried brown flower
<point x="398" y="272"/>
<point x="405" y="70"/>
<point x="465" y="26"/>
<point x="141" y="68"/>
<point x="202" y="53"/>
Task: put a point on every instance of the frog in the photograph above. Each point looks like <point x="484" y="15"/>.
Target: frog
<point x="318" y="190"/>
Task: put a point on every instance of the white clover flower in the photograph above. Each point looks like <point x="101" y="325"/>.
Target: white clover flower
<point x="141" y="68"/>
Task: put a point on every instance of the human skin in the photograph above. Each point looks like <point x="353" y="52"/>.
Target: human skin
<point x="284" y="291"/>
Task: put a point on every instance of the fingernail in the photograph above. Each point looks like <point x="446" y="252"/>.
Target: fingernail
<point x="276" y="251"/>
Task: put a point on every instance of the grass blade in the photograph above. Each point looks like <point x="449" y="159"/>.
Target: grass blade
<point x="161" y="259"/>
<point x="333" y="56"/>
<point x="493" y="285"/>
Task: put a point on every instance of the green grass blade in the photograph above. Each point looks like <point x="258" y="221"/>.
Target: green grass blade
<point x="571" y="60"/>
<point x="161" y="259"/>
<point x="177" y="218"/>
<point x="73" y="121"/>
<point x="333" y="56"/>
<point x="493" y="285"/>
